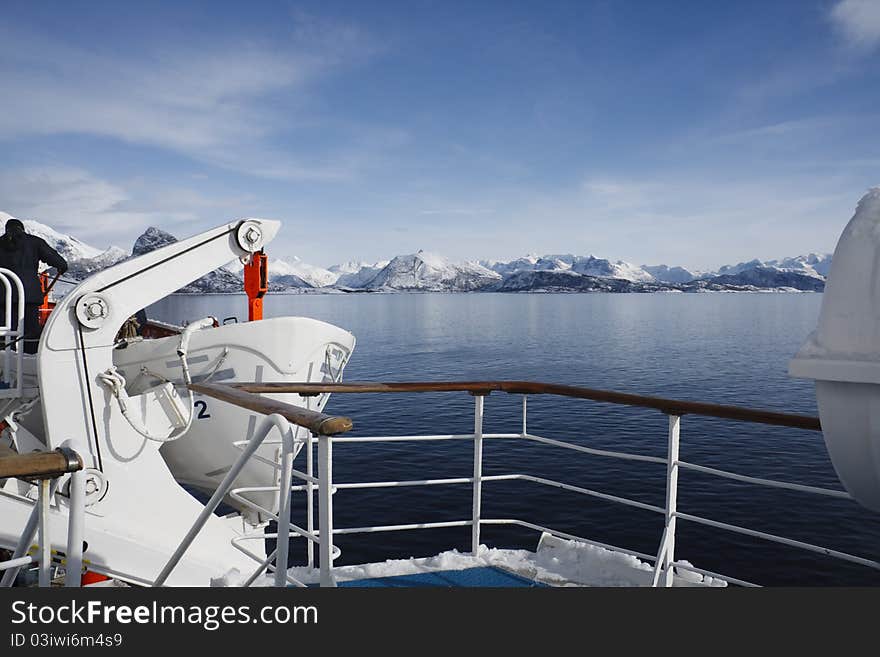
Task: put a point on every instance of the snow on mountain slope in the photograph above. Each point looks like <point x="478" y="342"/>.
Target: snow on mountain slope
<point x="504" y="268"/>
<point x="561" y="280"/>
<point x="812" y="264"/>
<point x="288" y="281"/>
<point x="82" y="259"/>
<point x="664" y="274"/>
<point x="151" y="239"/>
<point x="764" y="278"/>
<point x="350" y="267"/>
<point x="357" y="274"/>
<point x="427" y="271"/>
<point x="85" y="267"/>
<point x="588" y="265"/>
<point x="592" y="266"/>
<point x="311" y="274"/>
<point x="68" y="246"/>
<point x="283" y="269"/>
<point x="733" y="270"/>
<point x="219" y="280"/>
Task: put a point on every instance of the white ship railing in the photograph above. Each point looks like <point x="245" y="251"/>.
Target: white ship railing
<point x="323" y="432"/>
<point x="665" y="562"/>
<point x="47" y="469"/>
<point x="12" y="338"/>
<point x="280" y="416"/>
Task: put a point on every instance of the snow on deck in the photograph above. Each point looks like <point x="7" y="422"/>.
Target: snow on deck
<point x="557" y="562"/>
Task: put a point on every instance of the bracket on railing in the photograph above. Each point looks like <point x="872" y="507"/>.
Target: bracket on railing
<point x="40" y="465"/>
<point x="46" y="468"/>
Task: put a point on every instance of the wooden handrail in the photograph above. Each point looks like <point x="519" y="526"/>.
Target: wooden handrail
<point x="40" y="465"/>
<point x="668" y="406"/>
<point x="318" y="423"/>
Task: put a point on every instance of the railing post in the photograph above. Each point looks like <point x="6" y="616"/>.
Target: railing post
<point x="75" y="522"/>
<point x="310" y="500"/>
<point x="282" y="543"/>
<point x="45" y="546"/>
<point x="671" y="498"/>
<point x="478" y="474"/>
<point x="276" y="420"/>
<point x="525" y="407"/>
<point x="27" y="537"/>
<point x="325" y="508"/>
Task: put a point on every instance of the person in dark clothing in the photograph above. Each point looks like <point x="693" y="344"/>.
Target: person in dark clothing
<point x="22" y="253"/>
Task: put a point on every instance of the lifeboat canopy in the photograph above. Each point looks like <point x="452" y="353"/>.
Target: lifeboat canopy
<point x="843" y="355"/>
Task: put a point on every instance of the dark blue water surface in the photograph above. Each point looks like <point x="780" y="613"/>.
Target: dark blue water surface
<point x="723" y="348"/>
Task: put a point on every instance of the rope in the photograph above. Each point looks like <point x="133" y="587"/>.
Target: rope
<point x="129" y="329"/>
<point x="115" y="382"/>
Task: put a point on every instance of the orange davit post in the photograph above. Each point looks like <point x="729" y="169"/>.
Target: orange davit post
<point x="45" y="307"/>
<point x="256" y="284"/>
<point x="46" y="286"/>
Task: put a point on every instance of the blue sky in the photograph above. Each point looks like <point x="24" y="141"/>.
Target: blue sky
<point x="692" y="133"/>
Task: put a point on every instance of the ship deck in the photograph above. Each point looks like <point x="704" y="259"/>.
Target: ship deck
<point x="479" y="577"/>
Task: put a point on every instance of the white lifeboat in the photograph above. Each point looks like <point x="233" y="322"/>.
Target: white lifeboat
<point x="843" y="355"/>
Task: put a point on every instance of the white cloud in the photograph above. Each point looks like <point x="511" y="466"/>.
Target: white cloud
<point x="858" y="21"/>
<point x="229" y="105"/>
<point x="101" y="213"/>
<point x="794" y="129"/>
<point x="698" y="221"/>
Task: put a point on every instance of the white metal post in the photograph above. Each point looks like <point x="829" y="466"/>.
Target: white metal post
<point x="310" y="501"/>
<point x="7" y="328"/>
<point x="525" y="406"/>
<point x="26" y="539"/>
<point x="282" y="543"/>
<point x="9" y="280"/>
<point x="44" y="545"/>
<point x="478" y="474"/>
<point x="325" y="508"/>
<point x="75" y="525"/>
<point x="671" y="498"/>
<point x="274" y="420"/>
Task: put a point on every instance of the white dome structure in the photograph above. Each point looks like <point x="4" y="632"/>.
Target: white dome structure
<point x="843" y="355"/>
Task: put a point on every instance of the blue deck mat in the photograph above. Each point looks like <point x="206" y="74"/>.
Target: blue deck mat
<point x="468" y="578"/>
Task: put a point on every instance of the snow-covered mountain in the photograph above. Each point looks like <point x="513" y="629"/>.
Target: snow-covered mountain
<point x="294" y="266"/>
<point x="226" y="279"/>
<point x="762" y="278"/>
<point x="427" y="271"/>
<point x="812" y="264"/>
<point x="665" y="274"/>
<point x="357" y="274"/>
<point x="589" y="265"/>
<point x="527" y="263"/>
<point x="82" y="258"/>
<point x="566" y="280"/>
<point x="601" y="268"/>
<point x="68" y="246"/>
<point x="151" y="239"/>
<point x="750" y="280"/>
<point x="292" y="270"/>
<point x="80" y="269"/>
<point x="219" y="280"/>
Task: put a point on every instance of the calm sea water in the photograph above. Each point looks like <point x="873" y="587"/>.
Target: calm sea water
<point x="724" y="348"/>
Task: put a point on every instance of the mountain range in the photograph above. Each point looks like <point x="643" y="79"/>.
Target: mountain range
<point x="429" y="272"/>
